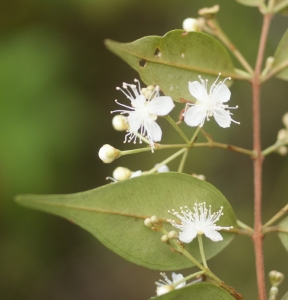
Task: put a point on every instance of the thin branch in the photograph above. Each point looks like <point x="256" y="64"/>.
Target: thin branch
<point x="275" y="218"/>
<point x="275" y="229"/>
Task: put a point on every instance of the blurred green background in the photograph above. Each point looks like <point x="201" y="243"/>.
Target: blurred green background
<point x="57" y="88"/>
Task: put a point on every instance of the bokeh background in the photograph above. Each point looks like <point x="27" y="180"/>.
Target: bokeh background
<point x="57" y="88"/>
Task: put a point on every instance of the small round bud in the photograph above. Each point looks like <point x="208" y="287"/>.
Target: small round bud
<point x="190" y="24"/>
<point x="107" y="153"/>
<point x="162" y="169"/>
<point x="200" y="176"/>
<point x="148" y="91"/>
<point x="154" y="219"/>
<point x="273" y="293"/>
<point x="269" y="62"/>
<point x="148" y="223"/>
<point x="173" y="234"/>
<point x="164" y="289"/>
<point x="121" y="173"/>
<point x="282" y="150"/>
<point x="282" y="134"/>
<point x="120" y="123"/>
<point x="276" y="278"/>
<point x="164" y="238"/>
<point x="285" y="120"/>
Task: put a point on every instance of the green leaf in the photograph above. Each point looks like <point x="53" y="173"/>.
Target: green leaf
<point x="250" y="2"/>
<point x="115" y="213"/>
<point x="175" y="59"/>
<point x="281" y="57"/>
<point x="282" y="235"/>
<point x="285" y="297"/>
<point x="201" y="291"/>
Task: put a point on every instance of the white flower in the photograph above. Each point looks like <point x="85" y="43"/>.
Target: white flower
<point x="208" y="105"/>
<point x="143" y="112"/>
<point x="201" y="221"/>
<point x="166" y="285"/>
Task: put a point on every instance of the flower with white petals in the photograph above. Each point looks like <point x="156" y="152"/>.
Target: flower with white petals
<point x="166" y="285"/>
<point x="143" y="112"/>
<point x="209" y="104"/>
<point x="198" y="221"/>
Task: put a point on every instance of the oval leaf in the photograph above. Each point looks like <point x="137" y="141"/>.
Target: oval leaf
<point x="281" y="57"/>
<point x="115" y="213"/>
<point x="201" y="291"/>
<point x="175" y="59"/>
<point x="250" y="2"/>
<point x="282" y="235"/>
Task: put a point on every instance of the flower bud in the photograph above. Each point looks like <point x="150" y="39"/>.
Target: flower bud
<point x="120" y="123"/>
<point x="121" y="173"/>
<point x="200" y="176"/>
<point x="173" y="234"/>
<point x="276" y="278"/>
<point x="154" y="219"/>
<point x="273" y="293"/>
<point x="164" y="238"/>
<point x="148" y="223"/>
<point x="285" y="120"/>
<point x="107" y="153"/>
<point x="164" y="289"/>
<point x="282" y="150"/>
<point x="162" y="169"/>
<point x="282" y="134"/>
<point x="269" y="62"/>
<point x="148" y="91"/>
<point x="190" y="24"/>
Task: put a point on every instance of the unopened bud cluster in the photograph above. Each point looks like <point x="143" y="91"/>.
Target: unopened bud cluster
<point x="276" y="278"/>
<point x="153" y="222"/>
<point x="283" y="136"/>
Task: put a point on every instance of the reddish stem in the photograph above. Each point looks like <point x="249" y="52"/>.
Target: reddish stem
<point x="257" y="235"/>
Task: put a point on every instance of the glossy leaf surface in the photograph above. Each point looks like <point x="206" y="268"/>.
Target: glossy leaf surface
<point x="115" y="213"/>
<point x="175" y="59"/>
<point x="281" y="57"/>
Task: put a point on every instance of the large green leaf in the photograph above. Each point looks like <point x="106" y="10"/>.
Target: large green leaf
<point x="281" y="56"/>
<point x="201" y="291"/>
<point x="115" y="213"/>
<point x="250" y="2"/>
<point x="282" y="235"/>
<point x="174" y="59"/>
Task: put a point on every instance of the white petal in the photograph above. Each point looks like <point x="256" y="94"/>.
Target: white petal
<point x="197" y="90"/>
<point x="134" y="121"/>
<point x="138" y="102"/>
<point x="153" y="130"/>
<point x="136" y="174"/>
<point x="213" y="235"/>
<point x="187" y="236"/>
<point x="222" y="117"/>
<point x="195" y="115"/>
<point x="160" y="106"/>
<point x="221" y="93"/>
<point x="178" y="277"/>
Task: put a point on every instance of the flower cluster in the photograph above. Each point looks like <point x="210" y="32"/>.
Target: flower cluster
<point x="198" y="221"/>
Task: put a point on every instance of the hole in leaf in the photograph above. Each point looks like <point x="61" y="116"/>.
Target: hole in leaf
<point x="157" y="52"/>
<point x="142" y="63"/>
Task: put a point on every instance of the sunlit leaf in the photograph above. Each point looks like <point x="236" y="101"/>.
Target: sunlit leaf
<point x="250" y="2"/>
<point x="174" y="59"/>
<point x="201" y="291"/>
<point x="282" y="235"/>
<point x="115" y="213"/>
<point x="281" y="57"/>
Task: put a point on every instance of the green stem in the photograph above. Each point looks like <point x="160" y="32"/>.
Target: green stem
<point x="177" y="128"/>
<point x="182" y="162"/>
<point x="226" y="41"/>
<point x="166" y="161"/>
<point x="187" y="278"/>
<point x="201" y="248"/>
<point x="244" y="226"/>
<point x="274" y="229"/>
<point x="274" y="147"/>
<point x="280" y="6"/>
<point x="273" y="71"/>
<point x="191" y="142"/>
<point x="282" y="212"/>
